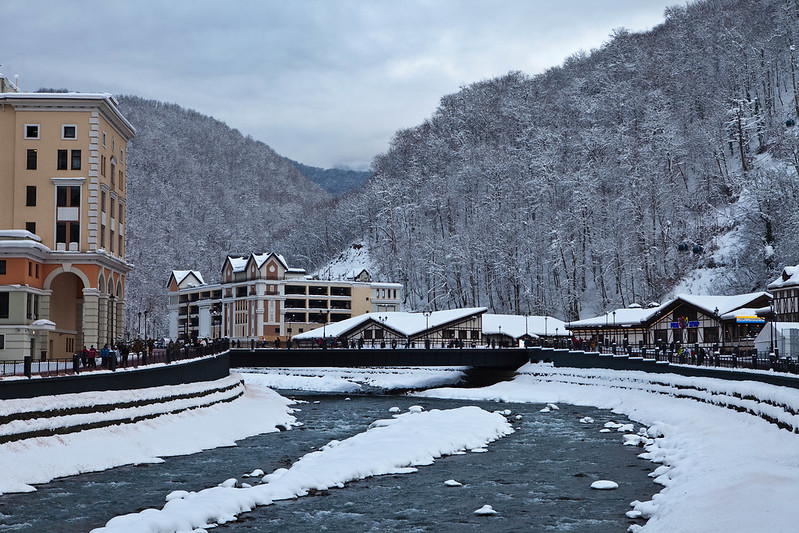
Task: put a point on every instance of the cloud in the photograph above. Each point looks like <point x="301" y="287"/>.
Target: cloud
<point x="321" y="81"/>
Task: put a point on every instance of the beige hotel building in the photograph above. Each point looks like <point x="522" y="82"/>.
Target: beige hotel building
<point x="63" y="173"/>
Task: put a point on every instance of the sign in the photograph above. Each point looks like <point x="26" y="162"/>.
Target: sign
<point x="750" y="320"/>
<point x="682" y="324"/>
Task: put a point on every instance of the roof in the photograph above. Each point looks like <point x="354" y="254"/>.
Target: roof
<point x="53" y="98"/>
<point x="788" y="278"/>
<point x="517" y="326"/>
<point x="626" y="316"/>
<point x="721" y="305"/>
<point x="638" y="316"/>
<point x="260" y="259"/>
<point x="406" y="324"/>
<point x="181" y="275"/>
<point x="239" y="264"/>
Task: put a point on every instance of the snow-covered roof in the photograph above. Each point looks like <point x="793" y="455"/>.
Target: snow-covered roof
<point x="239" y="264"/>
<point x="108" y="98"/>
<point x="517" y="326"/>
<point x="724" y="304"/>
<point x="260" y="259"/>
<point x="788" y="278"/>
<point x="407" y="324"/>
<point x="626" y="316"/>
<point x="181" y="275"/>
<point x="19" y="234"/>
<point x="744" y="314"/>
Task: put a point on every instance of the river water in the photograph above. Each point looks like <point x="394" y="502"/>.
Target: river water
<point x="537" y="479"/>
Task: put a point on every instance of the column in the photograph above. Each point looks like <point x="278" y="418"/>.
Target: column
<point x="102" y="319"/>
<point x="119" y="319"/>
<point x="91" y="317"/>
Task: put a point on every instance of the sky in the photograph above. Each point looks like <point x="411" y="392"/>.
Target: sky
<point x="323" y="82"/>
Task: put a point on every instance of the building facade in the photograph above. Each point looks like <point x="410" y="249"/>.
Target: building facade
<point x="262" y="298"/>
<point x="63" y="170"/>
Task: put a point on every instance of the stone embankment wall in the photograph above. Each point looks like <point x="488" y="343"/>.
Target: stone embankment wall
<point x="45" y="416"/>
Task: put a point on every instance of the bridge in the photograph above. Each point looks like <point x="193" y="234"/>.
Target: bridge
<point x="485" y="358"/>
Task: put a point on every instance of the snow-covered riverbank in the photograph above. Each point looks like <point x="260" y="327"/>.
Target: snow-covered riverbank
<point x="721" y="469"/>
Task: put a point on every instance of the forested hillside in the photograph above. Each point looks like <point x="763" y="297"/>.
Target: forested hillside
<point x="659" y="158"/>
<point x="605" y="181"/>
<point x="198" y="191"/>
<point x="336" y="181"/>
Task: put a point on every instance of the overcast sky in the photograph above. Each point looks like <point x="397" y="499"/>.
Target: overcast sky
<point x="324" y="82"/>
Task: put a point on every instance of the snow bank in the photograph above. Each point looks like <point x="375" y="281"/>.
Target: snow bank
<point x="353" y="379"/>
<point x="25" y="463"/>
<point x="722" y="469"/>
<point x="390" y="446"/>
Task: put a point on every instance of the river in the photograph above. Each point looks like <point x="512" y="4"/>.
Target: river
<point x="537" y="479"/>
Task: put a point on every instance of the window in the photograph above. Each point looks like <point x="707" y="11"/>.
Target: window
<point x="102" y="164"/>
<point x="75" y="159"/>
<point x="103" y="138"/>
<point x="113" y="207"/>
<point x="30" y="195"/>
<point x="111" y="241"/>
<point x="62" y="160"/>
<point x="121" y="214"/>
<point x="4" y="305"/>
<point x="31" y="131"/>
<point x="32" y="156"/>
<point x="102" y="237"/>
<point x="2" y="341"/>
<point x="69" y="131"/>
<point x="2" y="266"/>
<point x="102" y="201"/>
<point x="119" y="250"/>
<point x="64" y="229"/>
<point x="68" y="196"/>
<point x="113" y="144"/>
<point x="113" y="171"/>
<point x="30" y="226"/>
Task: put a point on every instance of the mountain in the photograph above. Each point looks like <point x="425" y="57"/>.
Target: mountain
<point x="198" y="191"/>
<point x="606" y="181"/>
<point x="336" y="181"/>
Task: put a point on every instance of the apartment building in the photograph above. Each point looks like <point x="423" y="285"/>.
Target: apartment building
<point x="63" y="171"/>
<point x="262" y="298"/>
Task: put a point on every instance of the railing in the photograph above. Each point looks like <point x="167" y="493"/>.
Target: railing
<point x="707" y="358"/>
<point x="76" y="365"/>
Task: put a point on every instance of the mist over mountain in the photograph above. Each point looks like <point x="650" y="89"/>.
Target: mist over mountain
<point x="663" y="160"/>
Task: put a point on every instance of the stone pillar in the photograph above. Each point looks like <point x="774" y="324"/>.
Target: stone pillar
<point x="91" y="318"/>
<point x="102" y="319"/>
<point x="119" y="319"/>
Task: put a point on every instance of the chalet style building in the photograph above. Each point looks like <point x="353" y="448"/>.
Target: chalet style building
<point x="262" y="298"/>
<point x="727" y="322"/>
<point x="63" y="170"/>
<point x="402" y="329"/>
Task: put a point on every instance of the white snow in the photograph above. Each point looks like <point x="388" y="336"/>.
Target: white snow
<point x="391" y="446"/>
<point x="725" y="470"/>
<point x="33" y="461"/>
<point x="453" y="483"/>
<point x="604" y="484"/>
<point x="354" y="379"/>
<point x="485" y="510"/>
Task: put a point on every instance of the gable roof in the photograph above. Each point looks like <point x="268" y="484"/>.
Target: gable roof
<point x="788" y="278"/>
<point x="181" y="275"/>
<point x="403" y="323"/>
<point x="517" y="326"/>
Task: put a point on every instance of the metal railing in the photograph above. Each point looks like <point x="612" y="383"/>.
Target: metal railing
<point x="750" y="359"/>
<point x="76" y="365"/>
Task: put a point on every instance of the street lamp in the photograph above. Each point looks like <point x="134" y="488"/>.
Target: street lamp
<point x="145" y="323"/>
<point x="426" y="329"/>
<point x="614" y="327"/>
<point x="138" y="329"/>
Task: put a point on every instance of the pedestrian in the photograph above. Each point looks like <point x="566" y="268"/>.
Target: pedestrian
<point x="92" y="357"/>
<point x="84" y="357"/>
<point x="104" y="352"/>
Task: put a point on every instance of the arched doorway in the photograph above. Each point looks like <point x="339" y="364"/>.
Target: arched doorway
<point x="66" y="310"/>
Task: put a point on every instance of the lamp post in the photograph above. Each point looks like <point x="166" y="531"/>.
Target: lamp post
<point x="426" y="329"/>
<point x="614" y="327"/>
<point x="145" y="323"/>
<point x="556" y="334"/>
<point x="326" y="317"/>
<point x="188" y="313"/>
<point x="138" y="329"/>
